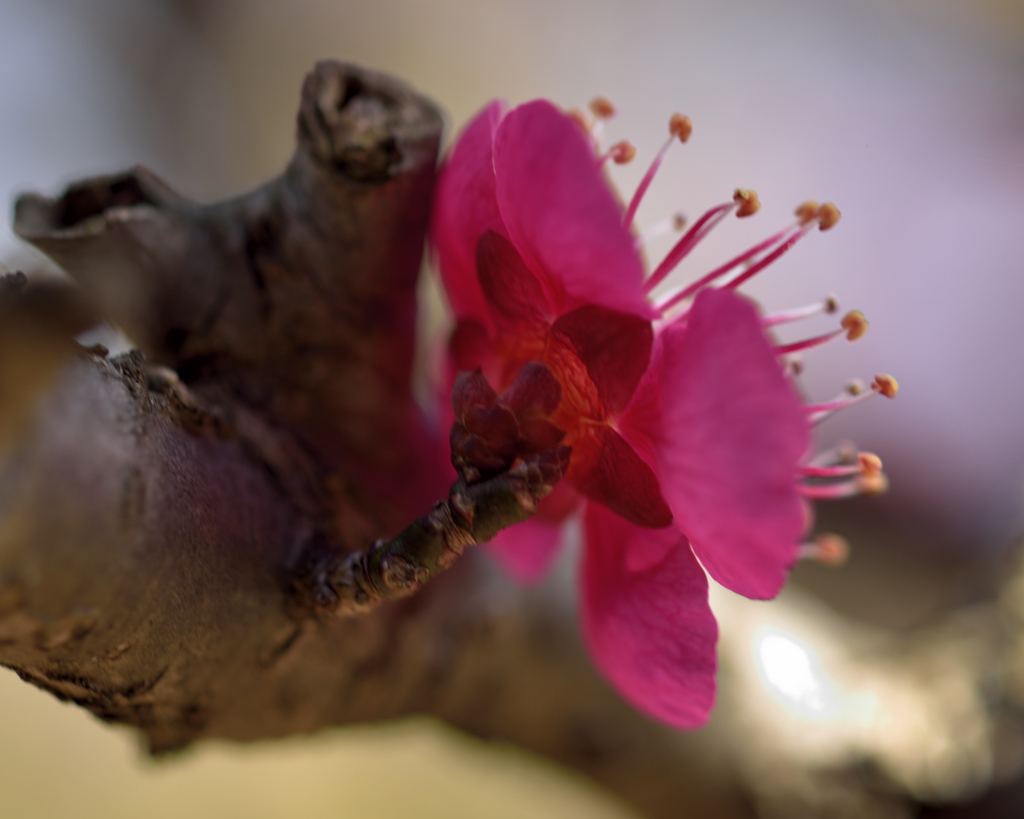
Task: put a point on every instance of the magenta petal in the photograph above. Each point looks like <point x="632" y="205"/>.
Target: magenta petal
<point x="726" y="431"/>
<point x="647" y="621"/>
<point x="614" y="347"/>
<point x="464" y="208"/>
<point x="606" y="469"/>
<point x="527" y="549"/>
<point x="561" y="214"/>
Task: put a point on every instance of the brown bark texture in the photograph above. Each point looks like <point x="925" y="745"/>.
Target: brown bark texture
<point x="199" y="537"/>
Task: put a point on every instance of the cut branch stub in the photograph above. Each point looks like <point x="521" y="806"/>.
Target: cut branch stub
<point x="296" y="302"/>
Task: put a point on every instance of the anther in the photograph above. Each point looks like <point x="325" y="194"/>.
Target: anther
<point x="870" y="464"/>
<point x="794" y="366"/>
<point x="872" y="484"/>
<point x="747" y="203"/>
<point x="828" y="216"/>
<point x="602" y="108"/>
<point x="886" y="385"/>
<point x="855" y="325"/>
<point x="620" y="153"/>
<point x="806" y="212"/>
<point x="680" y="126"/>
<point x="829" y="549"/>
<point x="678" y="222"/>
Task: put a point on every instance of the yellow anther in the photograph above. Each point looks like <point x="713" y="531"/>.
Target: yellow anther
<point x="602" y="108"/>
<point x="886" y="385"/>
<point x="747" y="202"/>
<point x="870" y="464"/>
<point x="872" y="484"/>
<point x="830" y="549"/>
<point x="854" y="387"/>
<point x="855" y="325"/>
<point x="828" y="216"/>
<point x="678" y="222"/>
<point x="680" y="126"/>
<point x="806" y="212"/>
<point x="622" y="152"/>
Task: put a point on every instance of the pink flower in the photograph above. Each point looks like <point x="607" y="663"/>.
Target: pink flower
<point x="687" y="435"/>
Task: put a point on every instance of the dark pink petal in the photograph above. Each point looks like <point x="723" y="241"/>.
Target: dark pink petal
<point x="464" y="208"/>
<point x="646" y="618"/>
<point x="605" y="469"/>
<point x="561" y="215"/>
<point x="527" y="549"/>
<point x="615" y="348"/>
<point x="726" y="432"/>
<point x="513" y="293"/>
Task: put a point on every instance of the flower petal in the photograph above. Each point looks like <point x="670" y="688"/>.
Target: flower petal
<point x="726" y="432"/>
<point x="606" y="470"/>
<point x="561" y="215"/>
<point x="464" y="208"/>
<point x="647" y="621"/>
<point x="527" y="549"/>
<point x="615" y="347"/>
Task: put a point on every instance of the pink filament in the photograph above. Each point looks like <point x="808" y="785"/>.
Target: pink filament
<point x="645" y="183"/>
<point x="690" y="239"/>
<point x="702" y="282"/>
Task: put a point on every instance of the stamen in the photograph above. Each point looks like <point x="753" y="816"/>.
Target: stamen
<point x="857" y="485"/>
<point x="827" y="305"/>
<point x="844" y="453"/>
<point x="854" y="325"/>
<point x="719" y="271"/>
<point x="670" y="224"/>
<point x="807" y="343"/>
<point x="679" y="128"/>
<point x="682" y="248"/>
<point x="829" y="549"/>
<point x="620" y="153"/>
<point x="757" y="267"/>
<point x="882" y="385"/>
<point x="867" y="464"/>
<point x="747" y="203"/>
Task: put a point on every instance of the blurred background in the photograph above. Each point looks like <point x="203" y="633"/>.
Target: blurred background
<point x="909" y="114"/>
